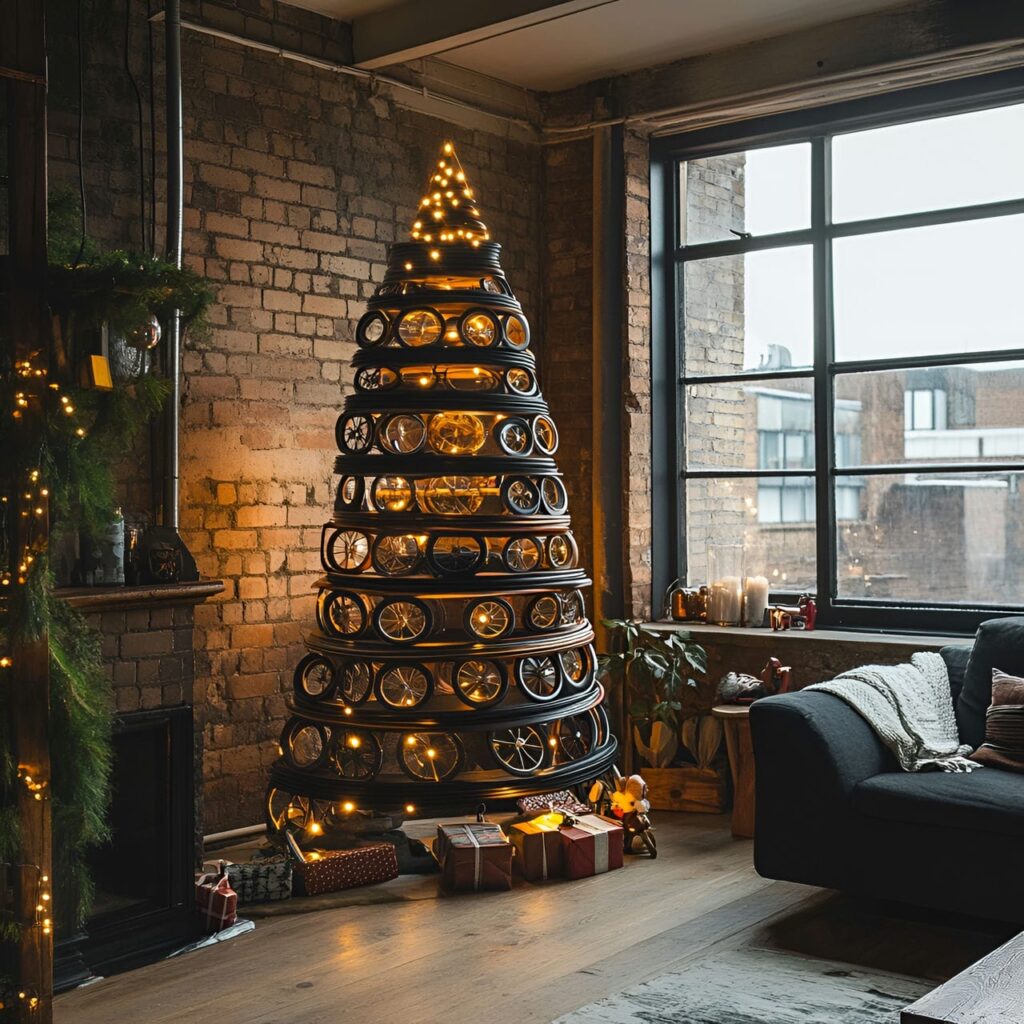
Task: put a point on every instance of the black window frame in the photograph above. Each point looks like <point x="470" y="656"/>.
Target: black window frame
<point x="817" y="126"/>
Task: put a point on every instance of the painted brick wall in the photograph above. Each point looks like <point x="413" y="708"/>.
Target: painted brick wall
<point x="297" y="178"/>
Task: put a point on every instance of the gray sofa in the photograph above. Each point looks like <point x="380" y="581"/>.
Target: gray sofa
<point x="834" y="810"/>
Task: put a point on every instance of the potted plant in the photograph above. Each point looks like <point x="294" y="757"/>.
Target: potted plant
<point x="662" y="676"/>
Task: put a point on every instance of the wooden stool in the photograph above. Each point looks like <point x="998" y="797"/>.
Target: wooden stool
<point x="736" y="726"/>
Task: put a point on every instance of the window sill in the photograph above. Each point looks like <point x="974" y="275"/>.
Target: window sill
<point x="742" y="637"/>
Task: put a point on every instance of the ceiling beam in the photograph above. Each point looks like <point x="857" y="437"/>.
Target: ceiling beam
<point x="415" y="29"/>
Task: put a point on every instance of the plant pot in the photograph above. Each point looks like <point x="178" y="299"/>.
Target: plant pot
<point x="688" y="788"/>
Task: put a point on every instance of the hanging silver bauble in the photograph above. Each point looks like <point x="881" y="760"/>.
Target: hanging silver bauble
<point x="146" y="336"/>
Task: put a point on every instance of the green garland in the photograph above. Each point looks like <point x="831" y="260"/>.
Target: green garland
<point x="81" y="717"/>
<point x="75" y="457"/>
<point x="90" y="286"/>
<point x="79" y="474"/>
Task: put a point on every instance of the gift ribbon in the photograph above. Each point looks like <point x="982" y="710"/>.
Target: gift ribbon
<point x="546" y="823"/>
<point x="477" y="856"/>
<point x="601" y="845"/>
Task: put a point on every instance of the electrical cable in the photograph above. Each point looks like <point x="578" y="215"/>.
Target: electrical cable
<point x="81" y="132"/>
<point x="152" y="133"/>
<point x="138" y="106"/>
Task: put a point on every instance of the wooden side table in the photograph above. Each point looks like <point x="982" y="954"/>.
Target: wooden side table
<point x="736" y="726"/>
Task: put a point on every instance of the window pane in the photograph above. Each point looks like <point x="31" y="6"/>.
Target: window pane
<point x="760" y="425"/>
<point x="929" y="165"/>
<point x="923" y="403"/>
<point x="965" y="413"/>
<point x="932" y="537"/>
<point x="747" y="312"/>
<point x="761" y="191"/>
<point x="772" y="518"/>
<point x="941" y="289"/>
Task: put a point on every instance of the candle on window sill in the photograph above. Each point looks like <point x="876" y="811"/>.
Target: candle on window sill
<point x="755" y="600"/>
<point x="725" y="601"/>
<point x="725" y="593"/>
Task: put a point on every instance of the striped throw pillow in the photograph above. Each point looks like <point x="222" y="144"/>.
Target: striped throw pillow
<point x="1004" y="725"/>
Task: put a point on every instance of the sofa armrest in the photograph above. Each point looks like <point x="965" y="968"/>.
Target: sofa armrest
<point x="816" y="742"/>
<point x="810" y="750"/>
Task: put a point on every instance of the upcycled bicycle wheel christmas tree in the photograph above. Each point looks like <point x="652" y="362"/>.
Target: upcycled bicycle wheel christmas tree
<point x="453" y="661"/>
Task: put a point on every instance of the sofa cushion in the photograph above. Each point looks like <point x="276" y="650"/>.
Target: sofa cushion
<point x="956" y="657"/>
<point x="1004" y="725"/>
<point x="985" y="800"/>
<point x="999" y="644"/>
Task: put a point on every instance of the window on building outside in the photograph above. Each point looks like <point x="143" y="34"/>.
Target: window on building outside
<point x="849" y="347"/>
<point x="924" y="409"/>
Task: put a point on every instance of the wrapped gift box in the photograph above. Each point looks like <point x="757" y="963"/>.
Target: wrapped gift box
<point x="334" y="870"/>
<point x="538" y="847"/>
<point x="261" y="880"/>
<point x="563" y="800"/>
<point x="474" y="856"/>
<point x="216" y="901"/>
<point x="591" y="846"/>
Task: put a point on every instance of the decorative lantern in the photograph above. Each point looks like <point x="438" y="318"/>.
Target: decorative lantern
<point x="453" y="662"/>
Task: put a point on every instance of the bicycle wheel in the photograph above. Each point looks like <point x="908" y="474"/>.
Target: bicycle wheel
<point x="520" y="750"/>
<point x="403" y="686"/>
<point x="430" y="756"/>
<point x="479" y="682"/>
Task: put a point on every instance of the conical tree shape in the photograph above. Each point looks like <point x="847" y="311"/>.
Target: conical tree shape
<point x="453" y="661"/>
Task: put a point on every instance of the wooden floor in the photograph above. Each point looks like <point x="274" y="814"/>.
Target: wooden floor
<point x="530" y="954"/>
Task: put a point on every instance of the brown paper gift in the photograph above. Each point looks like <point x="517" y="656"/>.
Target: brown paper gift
<point x="591" y="846"/>
<point x="334" y="870"/>
<point x="538" y="847"/>
<point x="474" y="856"/>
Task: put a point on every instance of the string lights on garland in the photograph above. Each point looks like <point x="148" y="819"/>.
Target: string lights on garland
<point x="453" y="661"/>
<point x="63" y="443"/>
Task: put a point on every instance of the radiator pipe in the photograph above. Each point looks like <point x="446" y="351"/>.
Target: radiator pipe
<point x="175" y="179"/>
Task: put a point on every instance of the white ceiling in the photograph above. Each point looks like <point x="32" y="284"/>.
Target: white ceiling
<point x="624" y="35"/>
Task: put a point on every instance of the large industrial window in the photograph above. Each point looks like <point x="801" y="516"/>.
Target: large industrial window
<point x="844" y="339"/>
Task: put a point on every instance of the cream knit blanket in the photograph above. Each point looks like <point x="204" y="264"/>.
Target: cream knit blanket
<point x="910" y="708"/>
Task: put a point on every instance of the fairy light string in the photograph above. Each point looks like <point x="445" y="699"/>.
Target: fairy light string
<point x="33" y="392"/>
<point x="448" y="212"/>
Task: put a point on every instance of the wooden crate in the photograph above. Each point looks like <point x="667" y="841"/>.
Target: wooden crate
<point x="687" y="789"/>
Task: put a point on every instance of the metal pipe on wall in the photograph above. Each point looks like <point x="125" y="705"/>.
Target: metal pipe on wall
<point x="175" y="185"/>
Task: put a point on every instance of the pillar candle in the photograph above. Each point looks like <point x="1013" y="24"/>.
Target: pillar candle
<point x="725" y="601"/>
<point x="755" y="598"/>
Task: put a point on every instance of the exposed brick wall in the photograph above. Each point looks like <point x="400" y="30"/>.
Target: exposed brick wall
<point x="148" y="654"/>
<point x="636" y="447"/>
<point x="297" y="178"/>
<point x="566" y="357"/>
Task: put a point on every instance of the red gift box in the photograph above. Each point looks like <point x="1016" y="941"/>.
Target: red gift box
<point x="591" y="846"/>
<point x="538" y="847"/>
<point x="334" y="870"/>
<point x="474" y="856"/>
<point x="216" y="901"/>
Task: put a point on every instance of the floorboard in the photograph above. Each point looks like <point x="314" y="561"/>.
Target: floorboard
<point x="538" y="951"/>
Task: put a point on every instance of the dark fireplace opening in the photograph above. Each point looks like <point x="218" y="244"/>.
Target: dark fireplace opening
<point x="144" y="873"/>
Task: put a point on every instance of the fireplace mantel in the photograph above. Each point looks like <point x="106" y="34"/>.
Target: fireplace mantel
<point x="101" y="599"/>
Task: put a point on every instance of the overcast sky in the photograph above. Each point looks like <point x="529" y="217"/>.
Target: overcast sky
<point x="941" y="289"/>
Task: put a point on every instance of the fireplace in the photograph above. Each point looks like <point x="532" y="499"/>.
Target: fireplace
<point x="144" y="874"/>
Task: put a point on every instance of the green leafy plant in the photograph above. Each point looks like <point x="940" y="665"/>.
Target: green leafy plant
<point x="661" y="673"/>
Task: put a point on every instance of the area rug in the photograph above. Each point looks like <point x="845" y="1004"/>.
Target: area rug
<point x="756" y="986"/>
